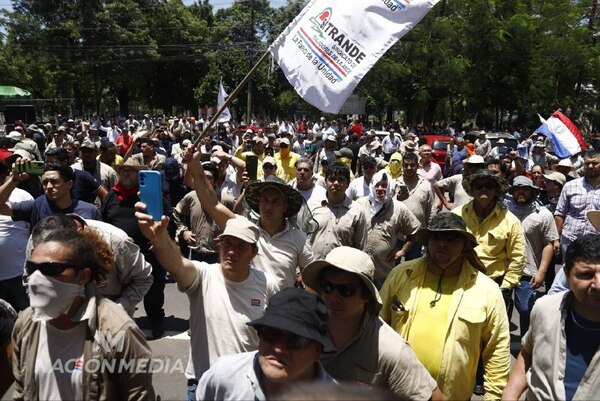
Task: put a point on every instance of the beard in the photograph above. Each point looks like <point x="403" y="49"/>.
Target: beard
<point x="592" y="173"/>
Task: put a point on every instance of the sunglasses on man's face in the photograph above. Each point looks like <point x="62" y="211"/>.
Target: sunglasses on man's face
<point x="292" y="341"/>
<point x="449" y="236"/>
<point x="345" y="290"/>
<point x="487" y="185"/>
<point x="48" y="268"/>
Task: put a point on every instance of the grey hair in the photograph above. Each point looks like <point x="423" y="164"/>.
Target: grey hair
<point x="305" y="160"/>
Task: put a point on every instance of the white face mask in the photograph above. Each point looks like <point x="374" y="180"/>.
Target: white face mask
<point x="50" y="297"/>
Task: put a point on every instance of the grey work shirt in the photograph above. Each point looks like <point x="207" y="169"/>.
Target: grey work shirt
<point x="238" y="377"/>
<point x="380" y="357"/>
<point x="546" y="342"/>
<point x="395" y="221"/>
<point x="453" y="185"/>
<point x="344" y="224"/>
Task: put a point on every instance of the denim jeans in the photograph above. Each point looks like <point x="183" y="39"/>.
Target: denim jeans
<point x="414" y="252"/>
<point x="525" y="297"/>
<point x="564" y="244"/>
<point x="192" y="385"/>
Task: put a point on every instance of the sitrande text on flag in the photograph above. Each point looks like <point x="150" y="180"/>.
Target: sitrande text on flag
<point x="330" y="46"/>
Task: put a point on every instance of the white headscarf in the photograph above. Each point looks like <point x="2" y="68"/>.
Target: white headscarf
<point x="377" y="205"/>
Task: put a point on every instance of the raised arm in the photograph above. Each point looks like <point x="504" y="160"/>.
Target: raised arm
<point x="206" y="193"/>
<point x="6" y="189"/>
<point x="165" y="249"/>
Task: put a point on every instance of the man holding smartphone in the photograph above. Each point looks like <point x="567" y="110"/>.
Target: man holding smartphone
<point x="57" y="181"/>
<point x="223" y="297"/>
<point x="118" y="210"/>
<point x="13" y="241"/>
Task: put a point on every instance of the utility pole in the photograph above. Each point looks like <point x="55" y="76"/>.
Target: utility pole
<point x="250" y="54"/>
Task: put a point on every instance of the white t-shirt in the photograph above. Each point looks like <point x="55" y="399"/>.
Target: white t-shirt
<point x="13" y="239"/>
<point x="315" y="192"/>
<point x="231" y="186"/>
<point x="282" y="253"/>
<point x="358" y="188"/>
<point x="59" y="362"/>
<point x="219" y="311"/>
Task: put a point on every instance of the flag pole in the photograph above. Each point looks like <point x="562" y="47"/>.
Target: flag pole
<point x="232" y="96"/>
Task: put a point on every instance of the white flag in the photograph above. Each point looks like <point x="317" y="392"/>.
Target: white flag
<point x="225" y="115"/>
<point x="330" y="46"/>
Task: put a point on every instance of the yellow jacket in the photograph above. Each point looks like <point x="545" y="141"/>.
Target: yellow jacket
<point x="286" y="166"/>
<point x="501" y="242"/>
<point x="260" y="174"/>
<point x="477" y="325"/>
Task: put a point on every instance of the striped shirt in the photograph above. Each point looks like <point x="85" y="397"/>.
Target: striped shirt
<point x="576" y="199"/>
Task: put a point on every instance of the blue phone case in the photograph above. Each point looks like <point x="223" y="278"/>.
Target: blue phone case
<point x="151" y="193"/>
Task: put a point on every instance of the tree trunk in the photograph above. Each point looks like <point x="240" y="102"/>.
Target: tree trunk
<point x="78" y="99"/>
<point x="429" y="111"/>
<point x="123" y="97"/>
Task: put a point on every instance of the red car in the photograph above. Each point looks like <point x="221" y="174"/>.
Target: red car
<point x="439" y="146"/>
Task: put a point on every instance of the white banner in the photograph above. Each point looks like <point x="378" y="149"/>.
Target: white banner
<point x="225" y="115"/>
<point x="330" y="46"/>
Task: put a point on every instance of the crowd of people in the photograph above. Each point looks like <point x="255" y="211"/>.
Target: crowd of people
<point x="309" y="252"/>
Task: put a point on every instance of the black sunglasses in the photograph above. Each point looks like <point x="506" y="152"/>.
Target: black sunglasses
<point x="446" y="236"/>
<point x="345" y="290"/>
<point x="268" y="166"/>
<point x="488" y="186"/>
<point x="292" y="341"/>
<point x="48" y="268"/>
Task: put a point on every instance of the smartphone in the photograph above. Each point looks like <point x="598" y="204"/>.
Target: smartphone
<point x="151" y="193"/>
<point x="204" y="157"/>
<point x="31" y="167"/>
<point x="251" y="166"/>
<point x="402" y="188"/>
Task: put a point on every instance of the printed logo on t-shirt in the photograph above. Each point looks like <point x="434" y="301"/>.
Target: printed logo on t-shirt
<point x="255" y="302"/>
<point x="78" y="365"/>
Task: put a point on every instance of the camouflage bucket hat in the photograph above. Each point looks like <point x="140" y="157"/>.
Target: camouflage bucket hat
<point x="453" y="222"/>
<point x="294" y="198"/>
<point x="446" y="222"/>
<point x="501" y="182"/>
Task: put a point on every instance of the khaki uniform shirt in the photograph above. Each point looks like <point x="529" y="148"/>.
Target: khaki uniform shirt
<point x="189" y="215"/>
<point x="453" y="185"/>
<point x="392" y="222"/>
<point x="107" y="320"/>
<point x="379" y="357"/>
<point x="339" y="225"/>
<point x="421" y="200"/>
<point x="546" y="342"/>
<point x="104" y="173"/>
<point x="156" y="163"/>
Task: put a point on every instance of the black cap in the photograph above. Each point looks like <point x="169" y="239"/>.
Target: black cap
<point x="298" y="312"/>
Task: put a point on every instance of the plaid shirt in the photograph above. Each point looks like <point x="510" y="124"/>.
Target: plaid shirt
<point x="576" y="199"/>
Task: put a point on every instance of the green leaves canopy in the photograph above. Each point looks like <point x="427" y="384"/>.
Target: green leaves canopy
<point x="494" y="62"/>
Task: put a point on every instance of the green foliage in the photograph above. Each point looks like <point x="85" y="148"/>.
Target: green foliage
<point x="485" y="61"/>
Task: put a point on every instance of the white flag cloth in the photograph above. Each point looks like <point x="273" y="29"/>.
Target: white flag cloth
<point x="330" y="46"/>
<point x="225" y="115"/>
